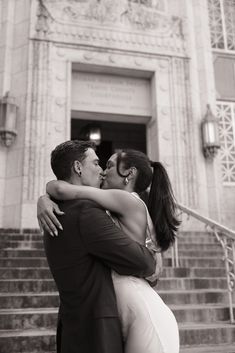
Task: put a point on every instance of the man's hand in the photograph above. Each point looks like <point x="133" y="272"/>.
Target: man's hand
<point x="46" y="213"/>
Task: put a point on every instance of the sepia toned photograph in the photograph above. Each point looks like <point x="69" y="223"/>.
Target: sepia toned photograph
<point x="117" y="176"/>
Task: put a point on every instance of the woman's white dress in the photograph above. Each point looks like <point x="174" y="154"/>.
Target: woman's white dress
<point x="148" y="325"/>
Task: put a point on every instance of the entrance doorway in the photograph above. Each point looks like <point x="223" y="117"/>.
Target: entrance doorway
<point x="114" y="136"/>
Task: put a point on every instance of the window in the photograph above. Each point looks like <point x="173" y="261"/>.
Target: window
<point x="222" y="24"/>
<point x="226" y="115"/>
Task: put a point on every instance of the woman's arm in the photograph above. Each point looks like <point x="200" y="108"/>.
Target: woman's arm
<point x="118" y="201"/>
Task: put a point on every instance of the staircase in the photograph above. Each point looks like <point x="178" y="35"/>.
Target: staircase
<point x="196" y="292"/>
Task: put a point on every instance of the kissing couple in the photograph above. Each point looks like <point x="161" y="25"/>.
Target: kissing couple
<point x="107" y="252"/>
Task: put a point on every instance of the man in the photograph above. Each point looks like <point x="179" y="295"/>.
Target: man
<point x="81" y="257"/>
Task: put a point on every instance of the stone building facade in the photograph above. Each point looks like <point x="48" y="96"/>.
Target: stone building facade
<point x="158" y="63"/>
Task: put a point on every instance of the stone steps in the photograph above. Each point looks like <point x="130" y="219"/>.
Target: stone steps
<point x="183" y="245"/>
<point x="37" y="253"/>
<point x="198" y="246"/>
<point x="29" y="236"/>
<point x="22" y="244"/>
<point x="23" y="262"/>
<point x="199" y="262"/>
<point x="30" y="318"/>
<point x="19" y="253"/>
<point x="222" y="348"/>
<point x="42" y="262"/>
<point x="201" y="313"/>
<point x="206" y="333"/>
<point x="44" y="339"/>
<point x="25" y="273"/>
<point x="199" y="239"/>
<point x="33" y="341"/>
<point x="48" y="285"/>
<point x="195" y="272"/>
<point x="191" y="283"/>
<point x="50" y="299"/>
<point x="196" y="292"/>
<point x="200" y="296"/>
<point x="29" y="300"/>
<point x="27" y="285"/>
<point x="44" y="272"/>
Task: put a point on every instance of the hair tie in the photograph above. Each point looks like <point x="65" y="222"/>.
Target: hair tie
<point x="154" y="164"/>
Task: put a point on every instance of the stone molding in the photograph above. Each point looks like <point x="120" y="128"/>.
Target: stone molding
<point x="37" y="122"/>
<point x="115" y="24"/>
<point x="50" y="110"/>
<point x="183" y="134"/>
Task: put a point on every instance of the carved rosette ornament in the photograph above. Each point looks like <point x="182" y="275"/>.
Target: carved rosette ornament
<point x="142" y="24"/>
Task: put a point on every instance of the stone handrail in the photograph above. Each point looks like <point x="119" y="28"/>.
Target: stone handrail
<point x="207" y="221"/>
<point x="226" y="237"/>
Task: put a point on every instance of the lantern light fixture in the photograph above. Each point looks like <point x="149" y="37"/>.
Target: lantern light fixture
<point x="210" y="134"/>
<point x="8" y="117"/>
<point x="91" y="132"/>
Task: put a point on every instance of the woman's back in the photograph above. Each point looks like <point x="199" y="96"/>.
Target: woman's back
<point x="134" y="222"/>
<point x="145" y="319"/>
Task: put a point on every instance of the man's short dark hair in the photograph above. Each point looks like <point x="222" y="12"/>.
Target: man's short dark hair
<point x="64" y="155"/>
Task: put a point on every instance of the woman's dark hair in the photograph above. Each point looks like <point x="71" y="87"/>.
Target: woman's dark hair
<point x="161" y="201"/>
<point x="162" y="207"/>
<point x="132" y="158"/>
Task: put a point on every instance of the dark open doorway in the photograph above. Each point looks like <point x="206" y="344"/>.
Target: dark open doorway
<point x="114" y="136"/>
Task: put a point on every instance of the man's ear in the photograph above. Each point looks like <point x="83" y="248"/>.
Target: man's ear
<point x="77" y="167"/>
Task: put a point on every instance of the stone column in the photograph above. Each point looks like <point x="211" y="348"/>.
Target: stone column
<point x="47" y="122"/>
<point x="14" y="46"/>
<point x="7" y="9"/>
<point x="170" y="131"/>
<point x="203" y="92"/>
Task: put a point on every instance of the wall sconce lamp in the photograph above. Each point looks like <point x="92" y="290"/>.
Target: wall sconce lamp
<point x="8" y="115"/>
<point x="91" y="132"/>
<point x="210" y="134"/>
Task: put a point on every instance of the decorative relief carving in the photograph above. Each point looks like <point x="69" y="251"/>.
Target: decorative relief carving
<point x="112" y="59"/>
<point x="88" y="56"/>
<point x="164" y="111"/>
<point x="138" y="62"/>
<point x="60" y="77"/>
<point x="60" y="101"/>
<point x="163" y="87"/>
<point x="119" y="21"/>
<point x="166" y="135"/>
<point x="163" y="64"/>
<point x="140" y="14"/>
<point x="118" y="60"/>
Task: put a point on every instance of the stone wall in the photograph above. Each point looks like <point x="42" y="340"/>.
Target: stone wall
<point x="166" y="42"/>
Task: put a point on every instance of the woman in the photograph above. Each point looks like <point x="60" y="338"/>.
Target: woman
<point x="146" y="320"/>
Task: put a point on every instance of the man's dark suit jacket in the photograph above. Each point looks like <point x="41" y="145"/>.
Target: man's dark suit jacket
<point x="80" y="259"/>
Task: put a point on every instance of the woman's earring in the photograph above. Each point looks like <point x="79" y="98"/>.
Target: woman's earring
<point x="126" y="181"/>
<point x="79" y="173"/>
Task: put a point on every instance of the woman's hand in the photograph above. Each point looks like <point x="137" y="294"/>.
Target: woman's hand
<point x="46" y="214"/>
<point x="153" y="279"/>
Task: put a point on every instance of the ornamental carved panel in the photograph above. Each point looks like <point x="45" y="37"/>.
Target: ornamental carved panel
<point x="134" y="24"/>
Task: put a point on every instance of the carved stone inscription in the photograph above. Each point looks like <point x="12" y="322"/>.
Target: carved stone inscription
<point x="105" y="93"/>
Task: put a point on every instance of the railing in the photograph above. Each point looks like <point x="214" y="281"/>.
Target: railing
<point x="226" y="237"/>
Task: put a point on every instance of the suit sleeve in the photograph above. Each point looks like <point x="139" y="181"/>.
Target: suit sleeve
<point x="103" y="239"/>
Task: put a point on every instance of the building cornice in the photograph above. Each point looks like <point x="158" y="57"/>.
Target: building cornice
<point x="122" y="25"/>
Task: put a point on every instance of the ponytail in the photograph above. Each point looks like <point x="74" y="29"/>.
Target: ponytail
<point x="162" y="207"/>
